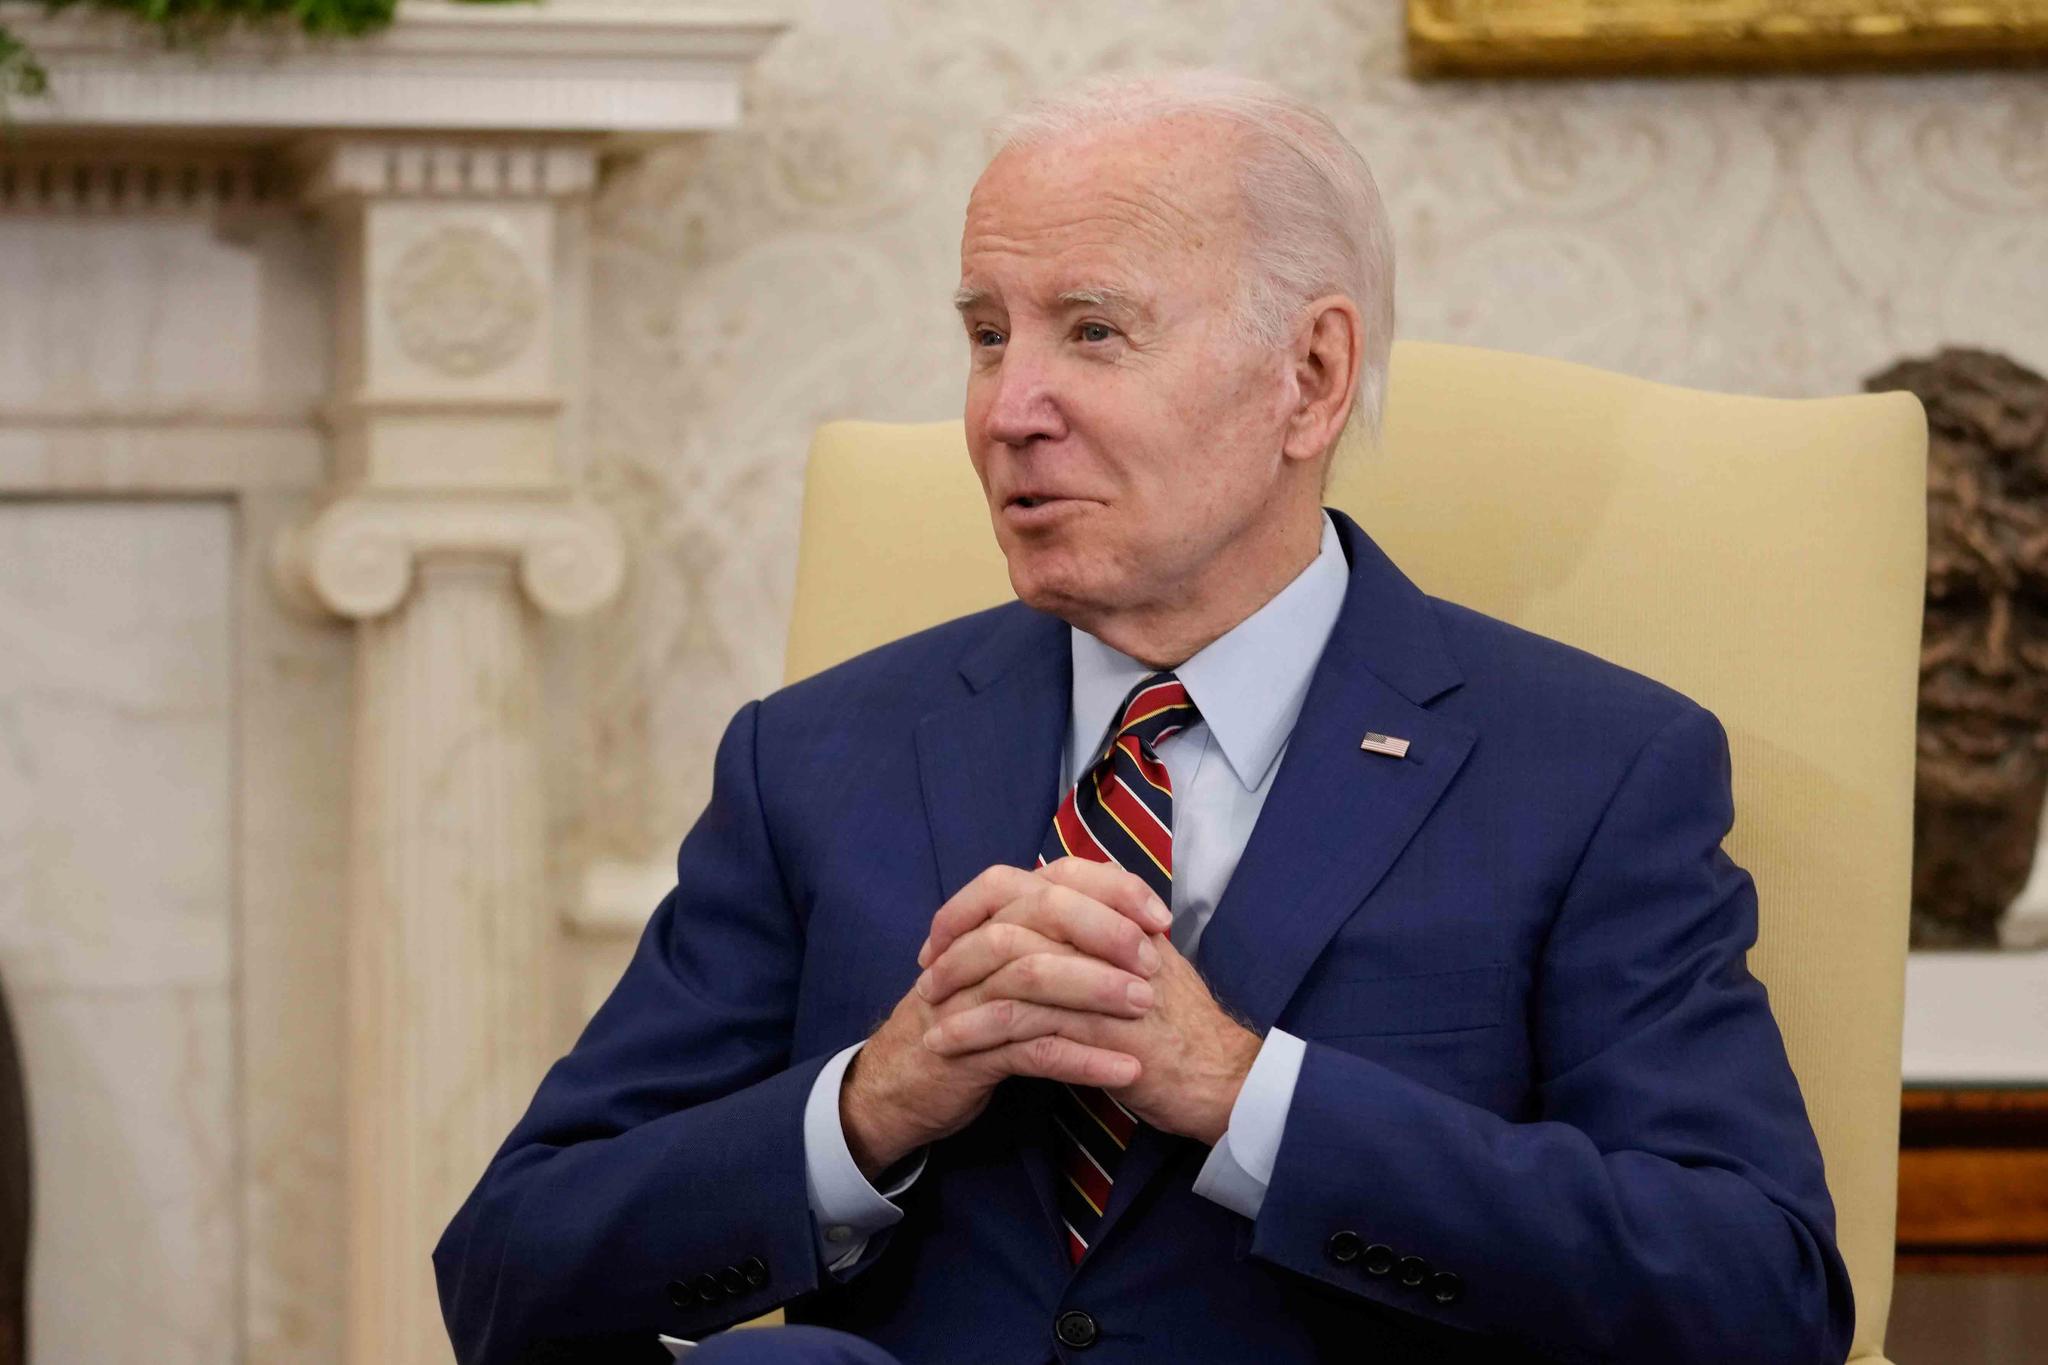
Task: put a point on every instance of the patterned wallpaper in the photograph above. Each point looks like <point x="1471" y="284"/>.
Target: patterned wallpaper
<point x="1773" y="235"/>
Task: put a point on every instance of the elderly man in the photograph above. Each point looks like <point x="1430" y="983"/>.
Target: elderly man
<point x="1272" y="962"/>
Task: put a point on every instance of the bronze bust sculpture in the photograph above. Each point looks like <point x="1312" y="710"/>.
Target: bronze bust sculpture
<point x="1982" y="764"/>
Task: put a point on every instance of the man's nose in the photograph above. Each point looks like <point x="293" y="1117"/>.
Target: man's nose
<point x="1024" y="407"/>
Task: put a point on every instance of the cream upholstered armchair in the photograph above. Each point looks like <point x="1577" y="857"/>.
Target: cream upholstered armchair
<point x="1763" y="556"/>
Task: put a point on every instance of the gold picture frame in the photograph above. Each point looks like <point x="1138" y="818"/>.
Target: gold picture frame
<point x="1612" y="37"/>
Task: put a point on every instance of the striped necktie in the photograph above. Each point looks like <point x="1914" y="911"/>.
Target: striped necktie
<point x="1119" y="811"/>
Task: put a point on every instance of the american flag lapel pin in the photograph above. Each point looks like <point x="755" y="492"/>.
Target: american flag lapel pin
<point x="1384" y="744"/>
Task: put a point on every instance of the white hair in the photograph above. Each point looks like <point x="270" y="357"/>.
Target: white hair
<point x="1316" y="223"/>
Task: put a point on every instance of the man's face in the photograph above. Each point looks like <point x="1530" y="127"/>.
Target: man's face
<point x="1124" y="434"/>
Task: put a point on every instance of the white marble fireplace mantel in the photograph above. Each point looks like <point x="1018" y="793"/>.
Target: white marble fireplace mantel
<point x="293" y="335"/>
<point x="615" y="68"/>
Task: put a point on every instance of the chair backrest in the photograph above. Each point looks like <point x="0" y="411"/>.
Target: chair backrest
<point x="1764" y="556"/>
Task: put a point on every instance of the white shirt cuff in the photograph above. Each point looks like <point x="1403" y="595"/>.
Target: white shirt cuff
<point x="846" y="1209"/>
<point x="1240" y="1166"/>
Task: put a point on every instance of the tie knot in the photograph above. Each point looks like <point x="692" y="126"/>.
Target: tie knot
<point x="1157" y="707"/>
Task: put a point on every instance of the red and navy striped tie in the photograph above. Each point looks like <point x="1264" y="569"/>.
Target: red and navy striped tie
<point x="1119" y="811"/>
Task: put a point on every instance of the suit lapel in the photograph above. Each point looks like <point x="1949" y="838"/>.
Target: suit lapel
<point x="990" y="765"/>
<point x="1336" y="819"/>
<point x="990" y="768"/>
<point x="1337" y="815"/>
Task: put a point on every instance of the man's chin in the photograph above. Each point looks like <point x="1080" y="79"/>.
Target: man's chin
<point x="1055" y="590"/>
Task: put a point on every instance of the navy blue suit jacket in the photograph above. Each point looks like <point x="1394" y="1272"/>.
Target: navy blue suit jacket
<point x="1536" y="1062"/>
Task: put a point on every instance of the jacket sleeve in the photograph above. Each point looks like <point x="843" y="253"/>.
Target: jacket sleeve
<point x="656" y="1182"/>
<point x="1666" y="1200"/>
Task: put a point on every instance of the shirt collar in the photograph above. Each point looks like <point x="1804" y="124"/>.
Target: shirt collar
<point x="1249" y="682"/>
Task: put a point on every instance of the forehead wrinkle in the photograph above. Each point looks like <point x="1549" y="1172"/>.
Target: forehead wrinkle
<point x="1166" y="217"/>
<point x="1111" y="222"/>
<point x="1101" y="268"/>
<point x="1181" y="175"/>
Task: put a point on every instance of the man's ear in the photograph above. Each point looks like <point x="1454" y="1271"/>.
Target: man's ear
<point x="1325" y="359"/>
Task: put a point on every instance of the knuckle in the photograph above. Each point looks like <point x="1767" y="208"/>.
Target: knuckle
<point x="1034" y="905"/>
<point x="1044" y="1050"/>
<point x="1069" y="908"/>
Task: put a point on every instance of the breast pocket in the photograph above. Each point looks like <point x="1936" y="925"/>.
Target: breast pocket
<point x="1410" y="1003"/>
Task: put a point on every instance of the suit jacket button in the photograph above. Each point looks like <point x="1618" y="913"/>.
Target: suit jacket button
<point x="1343" y="1247"/>
<point x="1379" y="1259"/>
<point x="731" y="1280"/>
<point x="1445" y="1287"/>
<point x="1412" y="1271"/>
<point x="756" y="1271"/>
<point x="706" y="1288"/>
<point x="1074" y="1328"/>
<point x="681" y="1295"/>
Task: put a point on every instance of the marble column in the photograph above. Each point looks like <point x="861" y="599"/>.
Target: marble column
<point x="448" y="535"/>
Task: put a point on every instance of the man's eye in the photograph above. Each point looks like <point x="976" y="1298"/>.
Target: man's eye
<point x="1095" y="331"/>
<point x="984" y="336"/>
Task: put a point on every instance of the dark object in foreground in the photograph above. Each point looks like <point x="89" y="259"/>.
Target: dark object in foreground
<point x="14" y="1198"/>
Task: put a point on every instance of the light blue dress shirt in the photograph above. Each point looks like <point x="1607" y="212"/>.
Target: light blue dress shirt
<point x="1249" y="685"/>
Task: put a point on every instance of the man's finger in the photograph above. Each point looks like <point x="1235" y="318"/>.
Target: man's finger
<point x="1105" y="883"/>
<point x="1078" y="919"/>
<point x="992" y="889"/>
<point x="1058" y="977"/>
<point x="1062" y="1059"/>
<point x="1116" y="888"/>
<point x="978" y="954"/>
<point x="1050" y="915"/>
<point x="996" y="1022"/>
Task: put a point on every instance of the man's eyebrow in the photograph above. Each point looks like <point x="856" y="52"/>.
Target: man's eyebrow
<point x="1095" y="296"/>
<point x="1102" y="296"/>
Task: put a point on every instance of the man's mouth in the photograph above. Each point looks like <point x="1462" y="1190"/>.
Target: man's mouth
<point x="1038" y="509"/>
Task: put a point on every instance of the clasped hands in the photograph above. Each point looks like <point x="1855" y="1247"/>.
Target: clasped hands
<point x="1065" y="972"/>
